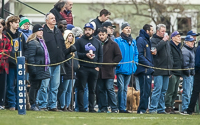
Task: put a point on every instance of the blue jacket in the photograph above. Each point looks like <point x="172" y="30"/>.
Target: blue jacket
<point x="129" y="53"/>
<point x="27" y="33"/>
<point x="145" y="56"/>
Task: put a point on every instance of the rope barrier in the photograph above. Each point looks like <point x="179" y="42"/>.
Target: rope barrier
<point x="101" y="63"/>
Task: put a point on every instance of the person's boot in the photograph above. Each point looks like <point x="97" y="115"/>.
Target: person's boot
<point x="168" y="110"/>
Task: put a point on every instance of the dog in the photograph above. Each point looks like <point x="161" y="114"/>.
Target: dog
<point x="133" y="99"/>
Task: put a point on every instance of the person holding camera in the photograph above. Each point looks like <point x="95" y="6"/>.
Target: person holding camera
<point x="144" y="73"/>
<point x="163" y="59"/>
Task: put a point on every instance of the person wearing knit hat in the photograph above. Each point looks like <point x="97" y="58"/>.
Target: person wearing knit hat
<point x="77" y="31"/>
<point x="127" y="46"/>
<point x="65" y="89"/>
<point x="24" y="25"/>
<point x="37" y="53"/>
<point x="23" y="20"/>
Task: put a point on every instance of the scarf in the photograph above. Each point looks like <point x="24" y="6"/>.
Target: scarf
<point x="46" y="53"/>
<point x="128" y="39"/>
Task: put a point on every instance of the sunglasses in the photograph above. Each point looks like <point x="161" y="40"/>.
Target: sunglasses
<point x="40" y="29"/>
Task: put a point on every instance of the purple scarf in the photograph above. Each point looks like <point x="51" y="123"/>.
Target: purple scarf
<point x="46" y="53"/>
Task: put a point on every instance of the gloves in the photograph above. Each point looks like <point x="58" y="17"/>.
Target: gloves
<point x="72" y="48"/>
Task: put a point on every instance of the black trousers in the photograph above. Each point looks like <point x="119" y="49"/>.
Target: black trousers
<point x="195" y="93"/>
<point x="86" y="75"/>
<point x="35" y="86"/>
<point x="3" y="79"/>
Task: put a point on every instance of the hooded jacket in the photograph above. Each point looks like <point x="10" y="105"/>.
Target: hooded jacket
<point x="163" y="58"/>
<point x="188" y="60"/>
<point x="18" y="36"/>
<point x="145" y="57"/>
<point x="129" y="53"/>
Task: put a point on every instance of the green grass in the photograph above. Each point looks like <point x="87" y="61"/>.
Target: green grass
<point x="73" y="118"/>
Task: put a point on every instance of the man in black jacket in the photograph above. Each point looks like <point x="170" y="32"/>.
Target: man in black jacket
<point x="162" y="59"/>
<point x="174" y="80"/>
<point x="56" y="47"/>
<point x="97" y="23"/>
<point x="18" y="42"/>
<point x="88" y="49"/>
<point x="111" y="54"/>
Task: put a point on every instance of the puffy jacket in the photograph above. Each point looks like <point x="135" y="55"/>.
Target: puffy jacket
<point x="57" y="14"/>
<point x="145" y="56"/>
<point x="188" y="60"/>
<point x="163" y="58"/>
<point x="36" y="55"/>
<point x="98" y="24"/>
<point x="129" y="53"/>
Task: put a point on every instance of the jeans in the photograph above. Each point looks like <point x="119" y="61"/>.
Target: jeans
<point x="106" y="89"/>
<point x="65" y="98"/>
<point x="42" y="97"/>
<point x="137" y="83"/>
<point x="87" y="75"/>
<point x="11" y="86"/>
<point x="85" y="98"/>
<point x="53" y="85"/>
<point x="145" y="91"/>
<point x="187" y="85"/>
<point x="122" y="84"/>
<point x="172" y="91"/>
<point x="158" y="94"/>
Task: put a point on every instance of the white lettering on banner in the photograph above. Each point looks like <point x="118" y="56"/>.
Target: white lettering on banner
<point x="20" y="66"/>
<point x="20" y="73"/>
<point x="20" y="100"/>
<point x="24" y="72"/>
<point x="21" y="94"/>
<point x="20" y="88"/>
<point x="20" y="82"/>
<point x="20" y="106"/>
<point x="24" y="88"/>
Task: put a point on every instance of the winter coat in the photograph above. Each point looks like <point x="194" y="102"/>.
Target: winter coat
<point x="111" y="54"/>
<point x="55" y="44"/>
<point x="57" y="14"/>
<point x="27" y="33"/>
<point x="67" y="15"/>
<point x="163" y="58"/>
<point x="16" y="40"/>
<point x="36" y="55"/>
<point x="68" y="64"/>
<point x="177" y="58"/>
<point x="129" y="53"/>
<point x="145" y="57"/>
<point x="5" y="46"/>
<point x="188" y="60"/>
<point x="98" y="24"/>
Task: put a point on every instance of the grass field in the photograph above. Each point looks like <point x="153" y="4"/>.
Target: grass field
<point x="73" y="118"/>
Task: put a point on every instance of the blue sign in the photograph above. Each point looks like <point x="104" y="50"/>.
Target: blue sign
<point x="21" y="87"/>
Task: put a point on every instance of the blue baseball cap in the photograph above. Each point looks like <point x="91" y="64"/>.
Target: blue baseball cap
<point x="70" y="26"/>
<point x="191" y="33"/>
<point x="189" y="38"/>
<point x="175" y="33"/>
<point x="89" y="25"/>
